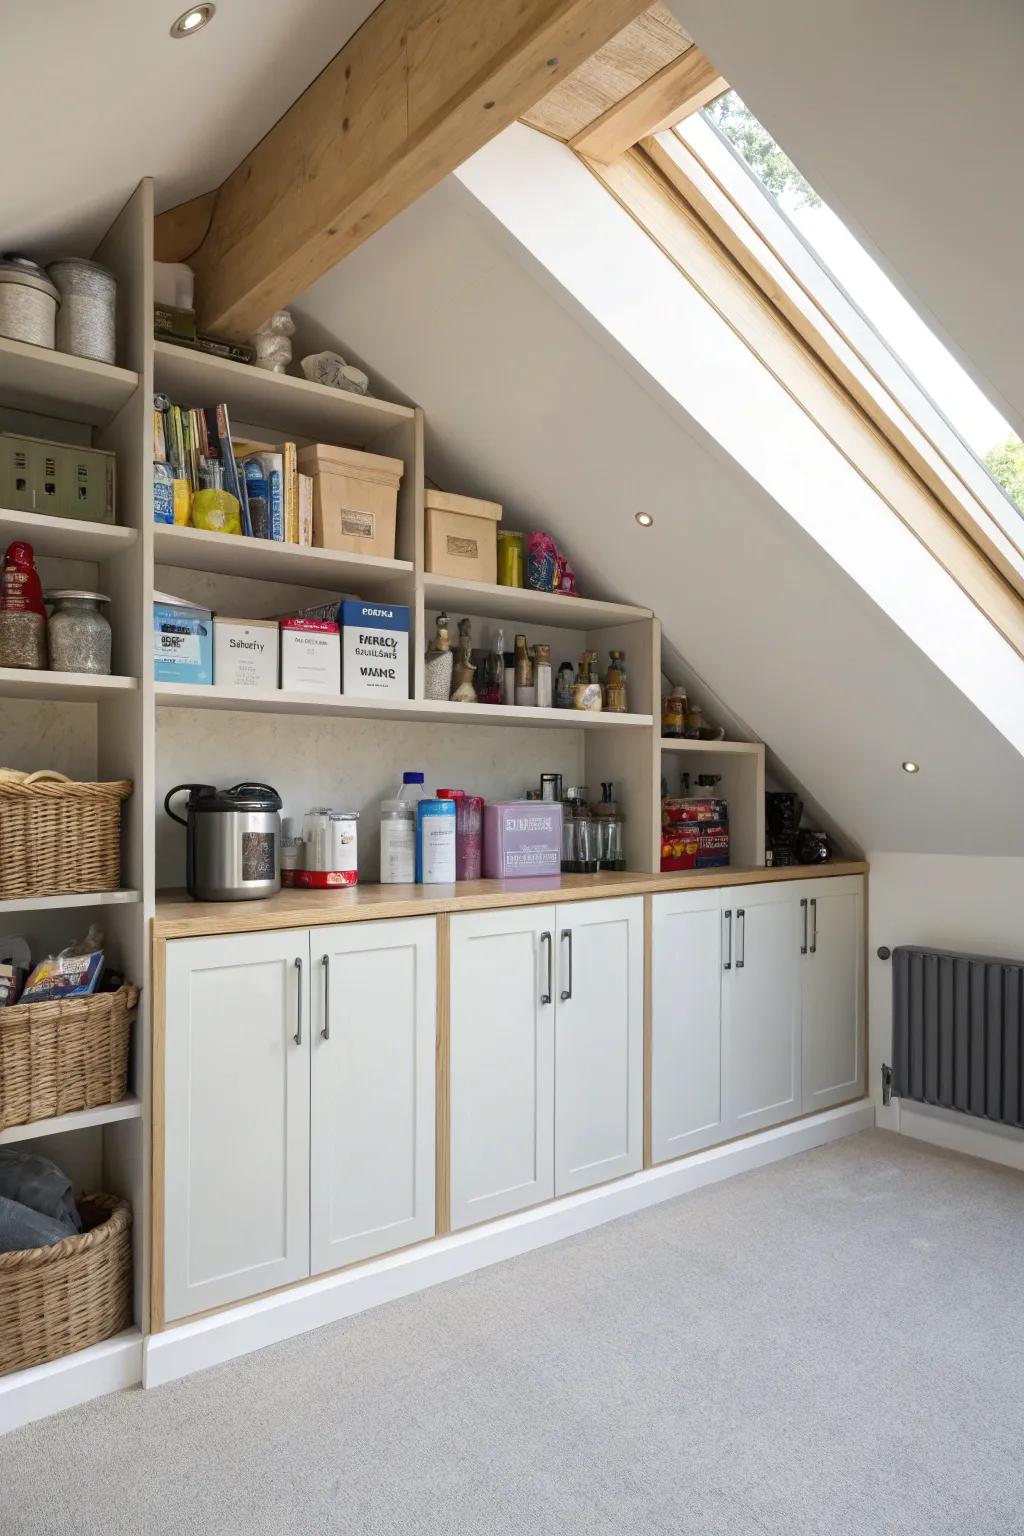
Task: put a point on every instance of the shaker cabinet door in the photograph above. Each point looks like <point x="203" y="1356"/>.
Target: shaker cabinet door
<point x="599" y="1041"/>
<point x="686" y="1023"/>
<point x="760" y="1007"/>
<point x="236" y="1132"/>
<point x="832" y="992"/>
<point x="502" y="1062"/>
<point x="373" y="1089"/>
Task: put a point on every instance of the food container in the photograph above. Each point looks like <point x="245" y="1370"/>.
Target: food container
<point x="522" y="837"/>
<point x="331" y="850"/>
<point x="57" y="479"/>
<point x="397" y="842"/>
<point x="310" y="656"/>
<point x="435" y="841"/>
<point x="28" y="303"/>
<point x="469" y="824"/>
<point x="462" y="536"/>
<point x="79" y="632"/>
<point x="355" y="498"/>
<point x="182" y="641"/>
<point x="510" y="558"/>
<point x="233" y="842"/>
<point x="374" y="649"/>
<point x="87" y="318"/>
<point x="707" y="846"/>
<point x="22" y="611"/>
<point x="245" y="653"/>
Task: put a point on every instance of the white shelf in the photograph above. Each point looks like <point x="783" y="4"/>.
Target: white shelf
<point x="56" y="384"/>
<point x="275" y="400"/>
<point x="522" y="604"/>
<point x="68" y="687"/>
<point x="129" y="1108"/>
<point x="267" y="560"/>
<point x="428" y="711"/>
<point x="67" y="538"/>
<point x="73" y="899"/>
<point x="742" y="748"/>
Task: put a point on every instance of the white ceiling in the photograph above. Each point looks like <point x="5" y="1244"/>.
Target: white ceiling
<point x="526" y="404"/>
<point x="97" y="94"/>
<point x="908" y="118"/>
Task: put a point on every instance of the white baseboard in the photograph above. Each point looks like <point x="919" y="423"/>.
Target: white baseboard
<point x="225" y="1335"/>
<point x="963" y="1133"/>
<point x="44" y="1389"/>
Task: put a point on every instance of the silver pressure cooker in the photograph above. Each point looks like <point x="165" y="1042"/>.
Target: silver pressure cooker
<point x="233" y="840"/>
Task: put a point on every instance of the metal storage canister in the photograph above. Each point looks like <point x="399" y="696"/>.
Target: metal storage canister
<point x="28" y="302"/>
<point x="86" y="324"/>
<point x="79" y="633"/>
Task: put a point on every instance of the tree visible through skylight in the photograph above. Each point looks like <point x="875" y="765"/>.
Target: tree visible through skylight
<point x="968" y="410"/>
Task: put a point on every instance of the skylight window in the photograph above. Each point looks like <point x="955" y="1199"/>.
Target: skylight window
<point x="929" y="363"/>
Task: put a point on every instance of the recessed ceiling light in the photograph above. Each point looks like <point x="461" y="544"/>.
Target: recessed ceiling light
<point x="644" y="519"/>
<point x="190" y="21"/>
<point x="909" y="767"/>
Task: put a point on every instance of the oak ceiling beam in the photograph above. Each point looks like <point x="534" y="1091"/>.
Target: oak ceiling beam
<point x="419" y="88"/>
<point x="681" y="87"/>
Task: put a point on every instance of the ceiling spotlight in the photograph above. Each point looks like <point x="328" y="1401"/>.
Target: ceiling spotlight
<point x="644" y="519"/>
<point x="190" y="21"/>
<point x="909" y="767"/>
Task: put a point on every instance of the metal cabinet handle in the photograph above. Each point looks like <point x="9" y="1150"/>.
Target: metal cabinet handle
<point x="297" y="1037"/>
<point x="727" y="918"/>
<point x="814" y="925"/>
<point x="803" y="911"/>
<point x="545" y="996"/>
<point x="566" y="992"/>
<point x="741" y="936"/>
<point x="325" y="961"/>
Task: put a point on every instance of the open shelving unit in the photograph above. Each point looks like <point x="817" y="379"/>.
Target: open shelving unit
<point x="129" y="718"/>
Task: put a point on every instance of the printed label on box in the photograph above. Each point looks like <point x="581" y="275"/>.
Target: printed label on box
<point x="462" y="549"/>
<point x="358" y="525"/>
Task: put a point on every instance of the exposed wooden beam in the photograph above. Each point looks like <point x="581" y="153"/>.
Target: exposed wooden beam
<point x="418" y="89"/>
<point x="681" y="87"/>
<point x="180" y="230"/>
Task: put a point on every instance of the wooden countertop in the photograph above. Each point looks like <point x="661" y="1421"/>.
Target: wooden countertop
<point x="178" y="917"/>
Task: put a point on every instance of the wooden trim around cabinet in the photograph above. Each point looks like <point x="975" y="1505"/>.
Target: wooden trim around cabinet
<point x="648" y="1024"/>
<point x="442" y="1176"/>
<point x="683" y="86"/>
<point x="677" y="228"/>
<point x="157" y="1054"/>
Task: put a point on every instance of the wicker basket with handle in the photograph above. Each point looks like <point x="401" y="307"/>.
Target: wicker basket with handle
<point x="57" y="835"/>
<point x="56" y="1300"/>
<point x="65" y="1055"/>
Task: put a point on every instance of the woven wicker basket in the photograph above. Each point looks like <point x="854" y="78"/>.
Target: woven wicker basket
<point x="57" y="835"/>
<point x="77" y="1292"/>
<point x="66" y="1055"/>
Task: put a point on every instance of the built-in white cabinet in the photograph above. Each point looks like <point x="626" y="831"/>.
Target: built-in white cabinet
<point x="236" y="1151"/>
<point x="546" y="1052"/>
<point x="299" y="1105"/>
<point x="832" y="990"/>
<point x="371" y="1167"/>
<point x="757" y="1008"/>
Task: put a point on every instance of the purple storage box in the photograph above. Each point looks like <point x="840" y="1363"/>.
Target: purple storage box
<point x="522" y="837"/>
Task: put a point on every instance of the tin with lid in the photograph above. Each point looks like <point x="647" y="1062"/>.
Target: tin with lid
<point x="28" y="301"/>
<point x="79" y="632"/>
<point x="87" y="319"/>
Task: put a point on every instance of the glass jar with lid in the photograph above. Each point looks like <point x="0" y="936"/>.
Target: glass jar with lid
<point x="79" y="632"/>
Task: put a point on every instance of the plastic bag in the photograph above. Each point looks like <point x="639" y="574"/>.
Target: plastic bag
<point x="75" y="972"/>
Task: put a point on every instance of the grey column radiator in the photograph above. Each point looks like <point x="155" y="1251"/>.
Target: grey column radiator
<point x="957" y="1032"/>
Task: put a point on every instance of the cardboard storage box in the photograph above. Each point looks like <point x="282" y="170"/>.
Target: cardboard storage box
<point x="56" y="479"/>
<point x="310" y="656"/>
<point x="245" y="653"/>
<point x="522" y="837"/>
<point x="462" y="536"/>
<point x="355" y="499"/>
<point x="375" y="649"/>
<point x="182" y="641"/>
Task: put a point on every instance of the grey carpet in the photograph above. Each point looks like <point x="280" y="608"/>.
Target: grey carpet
<point x="833" y="1344"/>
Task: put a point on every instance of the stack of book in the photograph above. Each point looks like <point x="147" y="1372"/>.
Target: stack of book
<point x="275" y="501"/>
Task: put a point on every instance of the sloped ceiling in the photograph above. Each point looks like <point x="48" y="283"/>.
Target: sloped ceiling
<point x="97" y="94"/>
<point x="908" y="118"/>
<point x="529" y="403"/>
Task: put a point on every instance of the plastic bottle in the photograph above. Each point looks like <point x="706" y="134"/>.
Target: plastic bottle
<point x="412" y="790"/>
<point x="398" y="832"/>
<point x="435" y="842"/>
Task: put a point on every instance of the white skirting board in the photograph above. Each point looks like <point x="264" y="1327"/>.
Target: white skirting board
<point x="959" y="1133"/>
<point x="44" y="1389"/>
<point x="236" y="1331"/>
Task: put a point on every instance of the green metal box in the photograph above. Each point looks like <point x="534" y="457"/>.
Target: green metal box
<point x="56" y="479"/>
